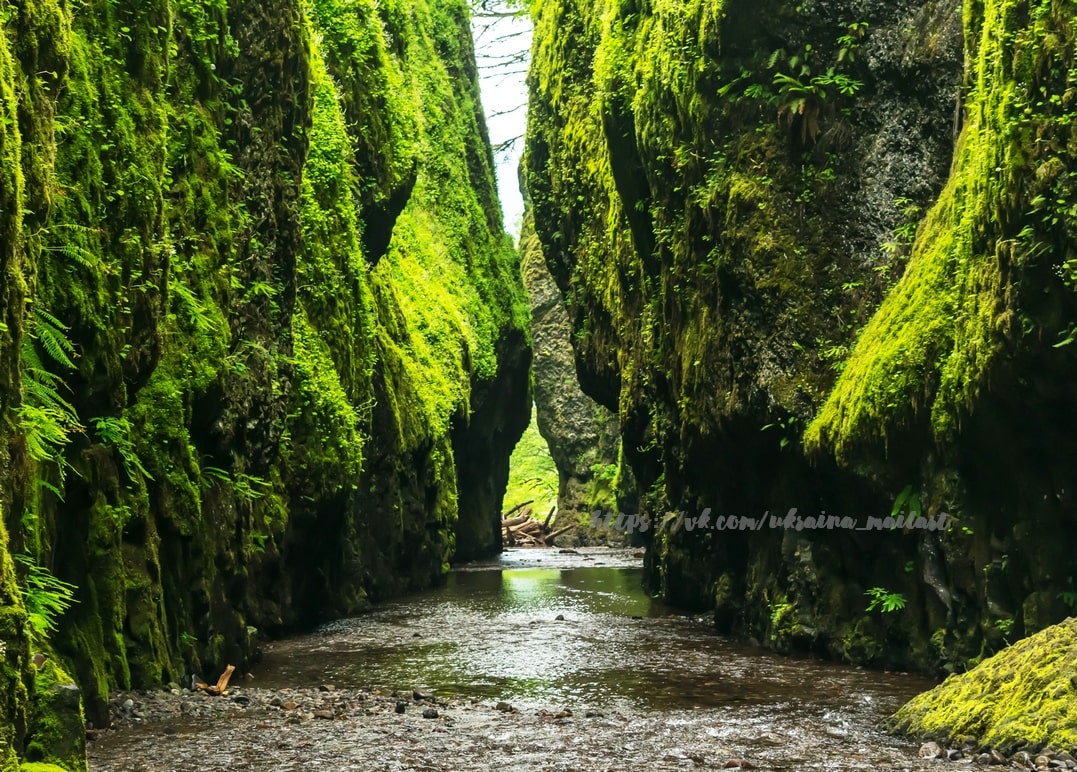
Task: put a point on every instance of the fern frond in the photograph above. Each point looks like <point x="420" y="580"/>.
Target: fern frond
<point x="50" y="332"/>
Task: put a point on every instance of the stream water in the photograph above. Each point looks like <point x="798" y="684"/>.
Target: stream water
<point x="590" y="673"/>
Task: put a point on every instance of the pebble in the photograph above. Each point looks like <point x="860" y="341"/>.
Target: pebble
<point x="401" y="706"/>
<point x="560" y="618"/>
<point x="430" y="713"/>
<point x="504" y="707"/>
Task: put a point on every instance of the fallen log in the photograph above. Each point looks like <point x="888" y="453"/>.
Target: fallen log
<point x="525" y="530"/>
<point x="559" y="531"/>
<point x="522" y="518"/>
<point x="516" y="508"/>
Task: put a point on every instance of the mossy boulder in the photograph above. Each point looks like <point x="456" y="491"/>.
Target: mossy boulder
<point x="57" y="727"/>
<point x="1023" y="698"/>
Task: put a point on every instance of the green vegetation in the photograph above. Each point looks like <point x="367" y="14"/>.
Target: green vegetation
<point x="884" y="600"/>
<point x="929" y="348"/>
<point x="256" y="298"/>
<point x="45" y="598"/>
<point x="532" y="474"/>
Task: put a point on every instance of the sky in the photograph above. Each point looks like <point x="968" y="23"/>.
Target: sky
<point x="501" y="48"/>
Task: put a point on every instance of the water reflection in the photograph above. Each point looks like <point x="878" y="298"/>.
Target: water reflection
<point x="564" y="636"/>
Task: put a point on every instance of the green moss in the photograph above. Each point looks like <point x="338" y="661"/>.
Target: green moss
<point x="1021" y="698"/>
<point x="929" y="349"/>
<point x="57" y="730"/>
<point x="201" y="198"/>
<point x="15" y="674"/>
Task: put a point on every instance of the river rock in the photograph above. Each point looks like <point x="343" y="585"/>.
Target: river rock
<point x="430" y="713"/>
<point x="401" y="706"/>
<point x="930" y="750"/>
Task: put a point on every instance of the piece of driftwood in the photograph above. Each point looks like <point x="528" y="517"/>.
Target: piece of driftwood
<point x="221" y="687"/>
<point x="521" y="518"/>
<point x="517" y="507"/>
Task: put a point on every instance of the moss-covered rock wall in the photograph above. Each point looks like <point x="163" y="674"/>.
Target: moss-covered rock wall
<point x="817" y="255"/>
<point x="263" y="349"/>
<point x="583" y="436"/>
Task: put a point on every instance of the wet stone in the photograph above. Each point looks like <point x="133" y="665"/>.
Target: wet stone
<point x="401" y="706"/>
<point x="930" y="750"/>
<point x="430" y="713"/>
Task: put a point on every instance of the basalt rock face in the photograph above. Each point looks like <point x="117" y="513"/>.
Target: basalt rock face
<point x="582" y="435"/>
<point x="812" y="254"/>
<point x="263" y="341"/>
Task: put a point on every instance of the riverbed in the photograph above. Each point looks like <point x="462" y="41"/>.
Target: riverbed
<point x="541" y="660"/>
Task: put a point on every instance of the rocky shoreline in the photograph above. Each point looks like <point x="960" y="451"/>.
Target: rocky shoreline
<point x="1046" y="760"/>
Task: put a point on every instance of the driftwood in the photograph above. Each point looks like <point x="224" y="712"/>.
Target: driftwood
<point x="517" y="507"/>
<point x="523" y="530"/>
<point x="522" y="518"/>
<point x="221" y="687"/>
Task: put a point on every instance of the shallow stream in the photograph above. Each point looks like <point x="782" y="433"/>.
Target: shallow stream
<point x="590" y="673"/>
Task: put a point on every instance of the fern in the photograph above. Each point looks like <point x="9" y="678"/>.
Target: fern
<point x="117" y="432"/>
<point x="45" y="418"/>
<point x="44" y="596"/>
<point x="50" y="332"/>
<point x="885" y="600"/>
